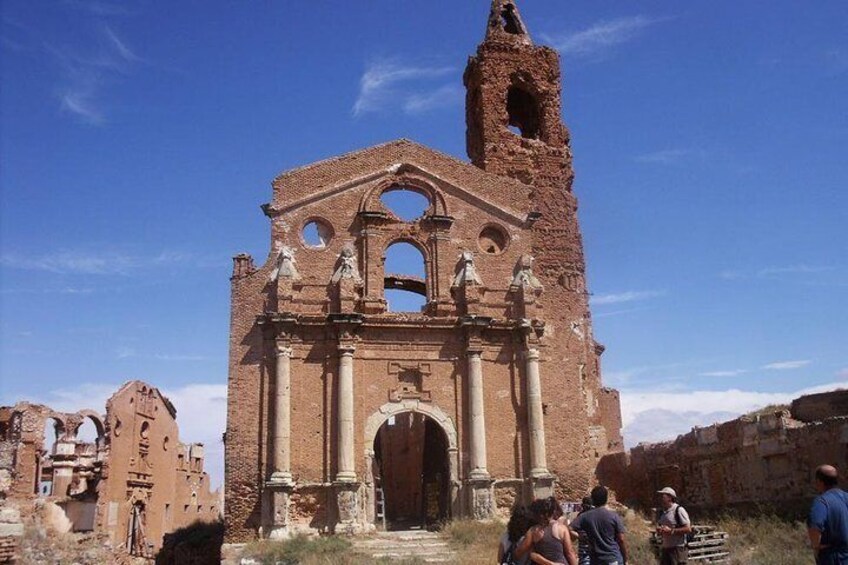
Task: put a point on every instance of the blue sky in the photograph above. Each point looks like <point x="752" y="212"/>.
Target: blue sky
<point x="139" y="139"/>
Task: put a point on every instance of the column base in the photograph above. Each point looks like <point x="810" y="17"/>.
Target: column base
<point x="482" y="498"/>
<point x="349" y="511"/>
<point x="275" y="515"/>
<point x="542" y="485"/>
<point x="346" y="477"/>
<point x="281" y="479"/>
<point x="479" y="475"/>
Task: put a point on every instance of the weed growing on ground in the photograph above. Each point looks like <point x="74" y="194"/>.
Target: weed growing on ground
<point x="474" y="542"/>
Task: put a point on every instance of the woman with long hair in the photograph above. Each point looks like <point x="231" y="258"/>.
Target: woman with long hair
<point x="549" y="541"/>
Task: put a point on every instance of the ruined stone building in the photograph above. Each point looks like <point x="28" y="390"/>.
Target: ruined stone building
<point x="750" y="462"/>
<point x="134" y="483"/>
<point x="343" y="413"/>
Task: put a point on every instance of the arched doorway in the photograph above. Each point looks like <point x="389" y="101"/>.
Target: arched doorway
<point x="411" y="470"/>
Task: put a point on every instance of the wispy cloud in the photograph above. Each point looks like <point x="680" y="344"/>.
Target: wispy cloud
<point x="602" y="36"/>
<point x="669" y="156"/>
<point x="775" y="272"/>
<point x="447" y="95"/>
<point x="179" y="357"/>
<point x="87" y="73"/>
<point x="628" y="296"/>
<point x="792" y="270"/>
<point x="387" y="83"/>
<point x="727" y="373"/>
<point x="618" y="312"/>
<point x="91" y="263"/>
<point x="786" y="365"/>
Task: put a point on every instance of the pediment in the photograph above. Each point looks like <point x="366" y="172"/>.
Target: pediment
<point x="503" y="197"/>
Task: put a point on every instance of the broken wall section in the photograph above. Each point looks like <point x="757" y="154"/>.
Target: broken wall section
<point x="762" y="459"/>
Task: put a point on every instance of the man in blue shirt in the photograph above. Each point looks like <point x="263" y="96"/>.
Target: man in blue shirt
<point x="828" y="522"/>
<point x="604" y="530"/>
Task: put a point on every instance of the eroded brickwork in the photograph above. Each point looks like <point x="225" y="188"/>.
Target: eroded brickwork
<point x="501" y="358"/>
<point x="133" y="484"/>
<point x="766" y="459"/>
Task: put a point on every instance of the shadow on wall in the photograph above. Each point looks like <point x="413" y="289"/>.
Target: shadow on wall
<point x="196" y="544"/>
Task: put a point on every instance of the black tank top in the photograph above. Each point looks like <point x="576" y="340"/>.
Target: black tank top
<point x="550" y="547"/>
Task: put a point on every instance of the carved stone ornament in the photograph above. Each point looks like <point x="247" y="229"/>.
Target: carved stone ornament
<point x="524" y="274"/>
<point x="348" y="504"/>
<point x="286" y="266"/>
<point x="348" y="266"/>
<point x="466" y="272"/>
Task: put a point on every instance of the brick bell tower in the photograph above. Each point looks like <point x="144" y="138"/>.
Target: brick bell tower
<point x="515" y="129"/>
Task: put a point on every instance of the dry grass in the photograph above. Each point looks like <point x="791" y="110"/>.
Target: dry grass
<point x="303" y="550"/>
<point x="763" y="540"/>
<point x="474" y="542"/>
<point x="766" y="540"/>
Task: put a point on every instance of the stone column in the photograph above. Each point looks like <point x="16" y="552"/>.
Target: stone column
<point x="535" y="417"/>
<point x="282" y="417"/>
<point x="477" y="415"/>
<point x="346" y="463"/>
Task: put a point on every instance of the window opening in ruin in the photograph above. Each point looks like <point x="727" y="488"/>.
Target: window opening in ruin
<point x="87" y="432"/>
<point x="145" y="430"/>
<point x="405" y="278"/>
<point x="493" y="240"/>
<point x="411" y="458"/>
<point x="316" y="234"/>
<point x="523" y="111"/>
<point x="509" y="21"/>
<point x="406" y="203"/>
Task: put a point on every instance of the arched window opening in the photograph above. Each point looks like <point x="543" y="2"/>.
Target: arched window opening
<point x="87" y="432"/>
<point x="523" y="111"/>
<point x="405" y="278"/>
<point x="408" y="204"/>
<point x="509" y="21"/>
<point x="53" y="430"/>
<point x="316" y="234"/>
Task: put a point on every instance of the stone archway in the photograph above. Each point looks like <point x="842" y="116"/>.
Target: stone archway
<point x="439" y="419"/>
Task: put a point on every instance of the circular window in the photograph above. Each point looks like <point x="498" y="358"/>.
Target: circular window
<point x="316" y="234"/>
<point x="493" y="240"/>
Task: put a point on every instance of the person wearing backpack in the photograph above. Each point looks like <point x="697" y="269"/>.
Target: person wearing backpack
<point x="828" y="521"/>
<point x="673" y="525"/>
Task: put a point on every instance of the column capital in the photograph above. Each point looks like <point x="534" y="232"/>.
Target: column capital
<point x="346" y="349"/>
<point x="532" y="354"/>
<point x="283" y="349"/>
<point x="474" y="351"/>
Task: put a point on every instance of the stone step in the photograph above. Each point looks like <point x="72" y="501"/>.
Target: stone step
<point x="429" y="547"/>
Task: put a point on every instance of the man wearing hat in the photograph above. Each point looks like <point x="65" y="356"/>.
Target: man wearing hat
<point x="673" y="524"/>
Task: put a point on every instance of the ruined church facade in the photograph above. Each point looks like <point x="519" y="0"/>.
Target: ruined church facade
<point x="344" y="415"/>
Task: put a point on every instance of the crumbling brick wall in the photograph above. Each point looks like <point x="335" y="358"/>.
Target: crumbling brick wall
<point x="765" y="459"/>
